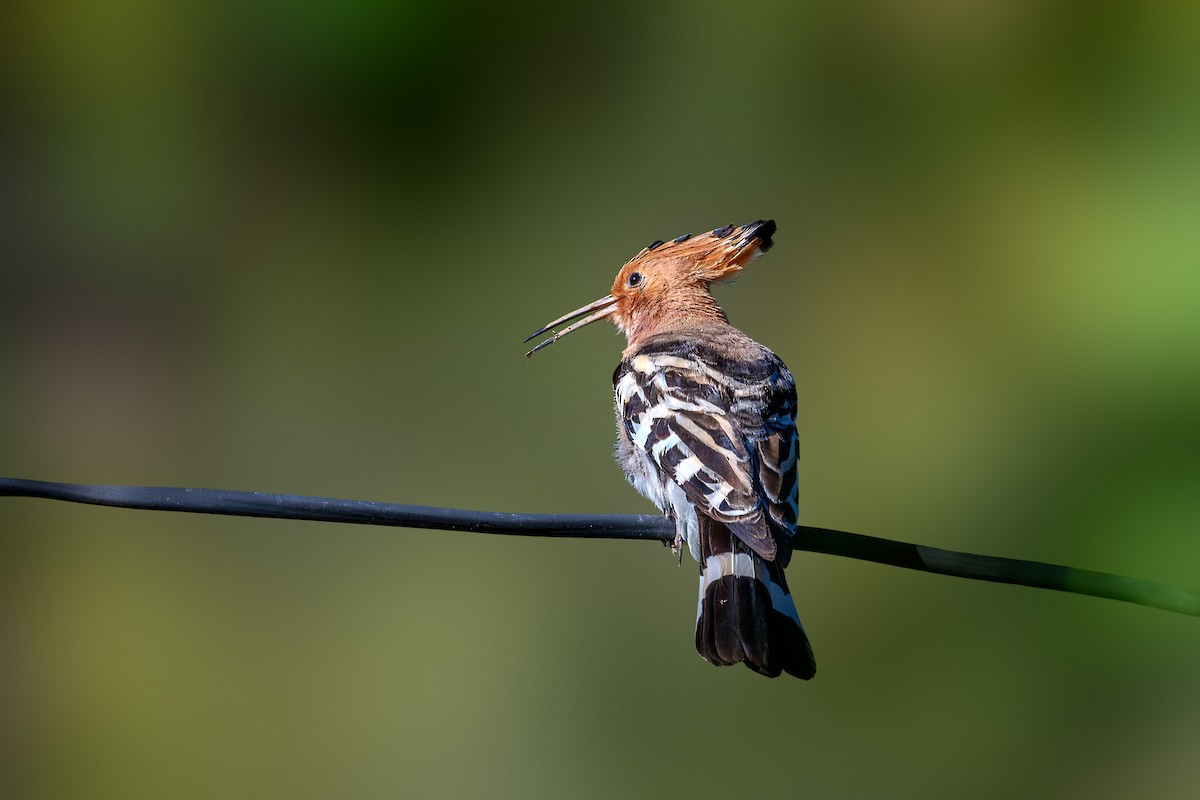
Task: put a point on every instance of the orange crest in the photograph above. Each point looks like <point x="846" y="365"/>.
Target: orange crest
<point x="718" y="255"/>
<point x="667" y="282"/>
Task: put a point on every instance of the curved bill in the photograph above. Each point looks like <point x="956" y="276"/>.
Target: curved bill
<point x="604" y="307"/>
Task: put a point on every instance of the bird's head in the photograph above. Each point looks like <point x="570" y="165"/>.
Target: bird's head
<point x="667" y="282"/>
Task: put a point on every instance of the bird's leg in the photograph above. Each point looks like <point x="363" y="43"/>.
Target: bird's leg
<point x="676" y="544"/>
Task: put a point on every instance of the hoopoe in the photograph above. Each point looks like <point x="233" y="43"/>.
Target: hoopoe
<point x="706" y="430"/>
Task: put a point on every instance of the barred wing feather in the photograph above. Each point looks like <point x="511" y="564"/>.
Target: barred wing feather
<point x="728" y="442"/>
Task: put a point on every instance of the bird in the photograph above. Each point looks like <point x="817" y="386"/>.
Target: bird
<point x="706" y="430"/>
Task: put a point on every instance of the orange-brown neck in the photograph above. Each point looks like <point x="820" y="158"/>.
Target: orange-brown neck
<point x="682" y="307"/>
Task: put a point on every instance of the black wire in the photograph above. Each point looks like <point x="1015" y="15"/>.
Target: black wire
<point x="358" y="512"/>
<point x="603" y="526"/>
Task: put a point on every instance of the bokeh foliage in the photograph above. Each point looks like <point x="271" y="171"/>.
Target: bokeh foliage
<point x="294" y="246"/>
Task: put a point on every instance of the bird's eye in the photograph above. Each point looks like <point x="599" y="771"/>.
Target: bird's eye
<point x="635" y="279"/>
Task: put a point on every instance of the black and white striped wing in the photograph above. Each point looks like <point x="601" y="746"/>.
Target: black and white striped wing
<point x="691" y="420"/>
<point x="779" y="453"/>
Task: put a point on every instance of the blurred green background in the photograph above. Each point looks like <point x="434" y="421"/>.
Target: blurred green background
<point x="294" y="246"/>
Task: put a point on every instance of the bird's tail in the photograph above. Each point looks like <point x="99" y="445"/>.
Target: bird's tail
<point x="746" y="613"/>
